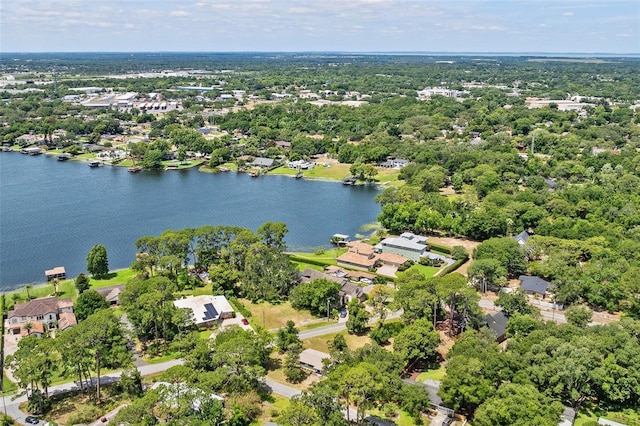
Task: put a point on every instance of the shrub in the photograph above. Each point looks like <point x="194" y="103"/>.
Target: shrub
<point x="319" y="252"/>
<point x="84" y="415"/>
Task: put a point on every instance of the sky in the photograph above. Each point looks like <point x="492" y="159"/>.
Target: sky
<point x="554" y="26"/>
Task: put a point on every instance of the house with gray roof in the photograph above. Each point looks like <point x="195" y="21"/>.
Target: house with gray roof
<point x="497" y="322"/>
<point x="262" y="162"/>
<point x="534" y="285"/>
<point x="407" y="244"/>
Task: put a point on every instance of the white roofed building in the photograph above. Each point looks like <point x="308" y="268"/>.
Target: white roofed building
<point x="206" y="310"/>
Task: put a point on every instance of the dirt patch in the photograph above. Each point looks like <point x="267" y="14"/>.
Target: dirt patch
<point x="469" y="245"/>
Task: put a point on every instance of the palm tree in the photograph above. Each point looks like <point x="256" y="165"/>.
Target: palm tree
<point x="27" y="327"/>
<point x="27" y="288"/>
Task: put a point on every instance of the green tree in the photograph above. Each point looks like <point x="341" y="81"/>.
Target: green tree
<point x="89" y="302"/>
<point x="487" y="272"/>
<point x="298" y="414"/>
<point x="361" y="386"/>
<point x="268" y="274"/>
<point x="314" y="296"/>
<point x="578" y="315"/>
<point x="515" y="302"/>
<point x="82" y="283"/>
<point x="103" y="338"/>
<point x="97" y="261"/>
<point x="518" y="405"/>
<point x="506" y="251"/>
<point x="272" y="234"/>
<point x="417" y="342"/>
<point x="287" y="336"/>
<point x="358" y="319"/>
<point x="292" y="371"/>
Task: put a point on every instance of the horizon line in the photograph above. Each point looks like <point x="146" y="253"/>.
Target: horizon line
<point x="341" y="52"/>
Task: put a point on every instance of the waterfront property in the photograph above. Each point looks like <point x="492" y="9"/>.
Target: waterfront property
<point x="51" y="312"/>
<point x="407" y="244"/>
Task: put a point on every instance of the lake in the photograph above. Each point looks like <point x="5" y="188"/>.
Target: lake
<point x="52" y="212"/>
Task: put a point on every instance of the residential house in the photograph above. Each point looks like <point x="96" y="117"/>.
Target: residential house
<point x="534" y="285"/>
<point x="354" y="260"/>
<point x="206" y="310"/>
<point x="392" y="259"/>
<point x="66" y="320"/>
<point x="309" y="275"/>
<point x="522" y="239"/>
<point x="111" y="293"/>
<point x="46" y="310"/>
<point x="311" y="359"/>
<point x="283" y="144"/>
<point x="396" y="163"/>
<point x="300" y="165"/>
<point x="407" y="244"/>
<point x="350" y="291"/>
<point x="497" y="322"/>
<point x="35" y="328"/>
<point x="262" y="162"/>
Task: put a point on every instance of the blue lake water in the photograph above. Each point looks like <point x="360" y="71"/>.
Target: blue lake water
<point x="52" y="213"/>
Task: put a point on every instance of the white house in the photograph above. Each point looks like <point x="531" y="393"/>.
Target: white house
<point x="206" y="310"/>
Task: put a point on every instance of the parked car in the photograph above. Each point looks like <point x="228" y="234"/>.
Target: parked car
<point x="245" y="321"/>
<point x="448" y="421"/>
<point x="31" y="420"/>
<point x="343" y="313"/>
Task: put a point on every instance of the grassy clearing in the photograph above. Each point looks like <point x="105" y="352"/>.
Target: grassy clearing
<point x="275" y="372"/>
<point x="320" y="343"/>
<point x="271" y="410"/>
<point x="74" y="408"/>
<point x="271" y="316"/>
<point x="328" y="256"/>
<point x="164" y="358"/>
<point x="8" y="386"/>
<point x="427" y="271"/>
<point x="113" y="278"/>
<point x="433" y="374"/>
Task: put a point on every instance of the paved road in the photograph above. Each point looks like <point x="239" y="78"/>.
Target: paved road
<point x="556" y="316"/>
<point x="12" y="404"/>
<point x="340" y="326"/>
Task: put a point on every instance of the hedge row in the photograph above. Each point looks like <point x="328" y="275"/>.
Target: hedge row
<point x="439" y="248"/>
<point x="239" y="307"/>
<point x="455" y="265"/>
<point x="317" y="262"/>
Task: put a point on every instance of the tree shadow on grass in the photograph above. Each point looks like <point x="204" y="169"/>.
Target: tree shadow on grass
<point x="105" y="277"/>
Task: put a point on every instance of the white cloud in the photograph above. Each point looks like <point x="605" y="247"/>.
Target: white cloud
<point x="567" y="14"/>
<point x="178" y="13"/>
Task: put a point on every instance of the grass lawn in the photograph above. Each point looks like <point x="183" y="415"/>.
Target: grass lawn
<point x="271" y="316"/>
<point x="320" y="343"/>
<point x="113" y="278"/>
<point x="402" y="418"/>
<point x="164" y="358"/>
<point x="73" y="408"/>
<point x="275" y="372"/>
<point x="433" y="374"/>
<point x="271" y="409"/>
<point x="8" y="386"/>
<point x="329" y="256"/>
<point x="427" y="271"/>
